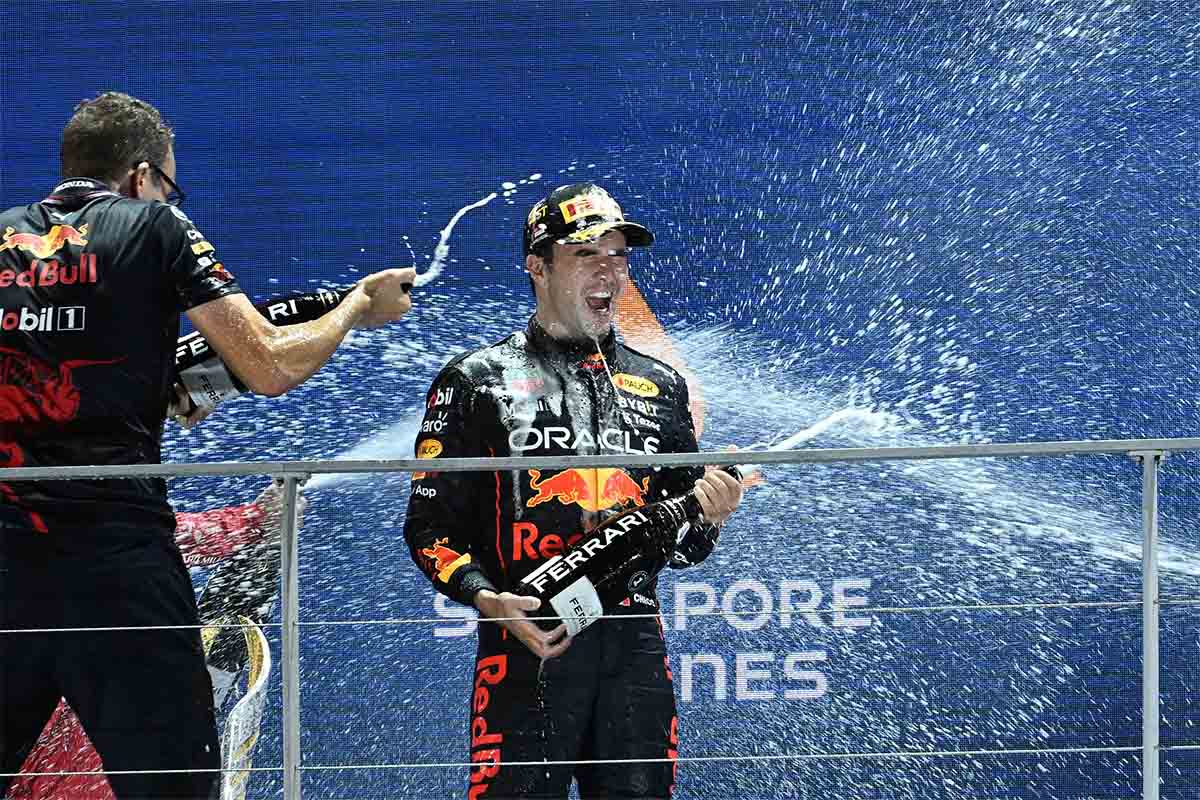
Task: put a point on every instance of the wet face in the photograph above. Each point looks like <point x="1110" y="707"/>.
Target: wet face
<point x="577" y="294"/>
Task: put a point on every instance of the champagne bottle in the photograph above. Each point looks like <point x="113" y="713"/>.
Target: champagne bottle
<point x="202" y="372"/>
<point x="611" y="562"/>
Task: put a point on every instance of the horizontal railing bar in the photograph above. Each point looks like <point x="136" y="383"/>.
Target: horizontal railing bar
<point x="747" y="757"/>
<point x="143" y="772"/>
<point x="201" y="626"/>
<point x="666" y="612"/>
<point x="692" y="759"/>
<point x="795" y="612"/>
<point x="814" y="455"/>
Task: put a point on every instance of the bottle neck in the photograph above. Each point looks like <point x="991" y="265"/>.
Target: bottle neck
<point x="691" y="503"/>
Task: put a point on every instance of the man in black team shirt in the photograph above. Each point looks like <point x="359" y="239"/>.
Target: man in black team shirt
<point x="562" y="386"/>
<point x="92" y="281"/>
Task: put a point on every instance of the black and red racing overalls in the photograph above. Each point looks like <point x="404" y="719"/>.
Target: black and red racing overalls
<point x="609" y="696"/>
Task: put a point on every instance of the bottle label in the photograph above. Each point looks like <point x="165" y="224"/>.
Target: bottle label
<point x="578" y="605"/>
<point x="562" y="566"/>
<point x="301" y="308"/>
<point x="208" y="383"/>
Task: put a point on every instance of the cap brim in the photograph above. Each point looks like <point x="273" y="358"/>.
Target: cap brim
<point x="635" y="235"/>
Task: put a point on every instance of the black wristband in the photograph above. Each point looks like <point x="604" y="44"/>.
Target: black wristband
<point x="471" y="584"/>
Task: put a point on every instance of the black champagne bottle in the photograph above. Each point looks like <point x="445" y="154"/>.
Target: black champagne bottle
<point x="611" y="562"/>
<point x="202" y="372"/>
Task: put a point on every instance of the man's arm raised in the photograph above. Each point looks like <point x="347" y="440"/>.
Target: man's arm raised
<point x="271" y="359"/>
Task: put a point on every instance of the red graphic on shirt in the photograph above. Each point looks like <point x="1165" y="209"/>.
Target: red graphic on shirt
<point x="12" y="456"/>
<point x="441" y="556"/>
<point x="47" y="244"/>
<point x="33" y="391"/>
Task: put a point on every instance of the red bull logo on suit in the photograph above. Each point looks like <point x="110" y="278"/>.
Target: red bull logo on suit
<point x="44" y="245"/>
<point x="34" y="391"/>
<point x="593" y="489"/>
<point x="52" y="273"/>
<point x="445" y="560"/>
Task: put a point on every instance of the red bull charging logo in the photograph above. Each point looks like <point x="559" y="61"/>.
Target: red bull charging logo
<point x="593" y="489"/>
<point x="33" y="391"/>
<point x="44" y="245"/>
<point x="444" y="560"/>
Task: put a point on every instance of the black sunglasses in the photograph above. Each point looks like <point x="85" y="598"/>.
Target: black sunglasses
<point x="175" y="195"/>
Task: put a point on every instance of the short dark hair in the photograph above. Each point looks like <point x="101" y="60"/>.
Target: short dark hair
<point x="544" y="251"/>
<point x="108" y="135"/>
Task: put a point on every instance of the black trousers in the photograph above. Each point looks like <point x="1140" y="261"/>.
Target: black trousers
<point x="144" y="697"/>
<point x="609" y="697"/>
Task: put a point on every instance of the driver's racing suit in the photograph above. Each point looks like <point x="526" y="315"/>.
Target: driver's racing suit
<point x="609" y="696"/>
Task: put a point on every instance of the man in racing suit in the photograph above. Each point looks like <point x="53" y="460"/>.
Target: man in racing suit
<point x="563" y="386"/>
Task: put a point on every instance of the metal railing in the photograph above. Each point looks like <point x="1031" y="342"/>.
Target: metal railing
<point x="1149" y="452"/>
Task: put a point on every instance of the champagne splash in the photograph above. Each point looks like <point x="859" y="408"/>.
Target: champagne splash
<point x="394" y="442"/>
<point x="608" y="370"/>
<point x="442" y="251"/>
<point x="411" y="255"/>
<point x="875" y="420"/>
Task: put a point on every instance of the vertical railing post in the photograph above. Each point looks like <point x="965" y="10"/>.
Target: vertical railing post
<point x="1150" y="701"/>
<point x="289" y="601"/>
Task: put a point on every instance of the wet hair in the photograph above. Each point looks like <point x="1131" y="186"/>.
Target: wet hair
<point x="544" y="251"/>
<point x="110" y="134"/>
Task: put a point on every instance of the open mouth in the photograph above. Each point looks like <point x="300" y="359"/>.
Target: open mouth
<point x="600" y="301"/>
